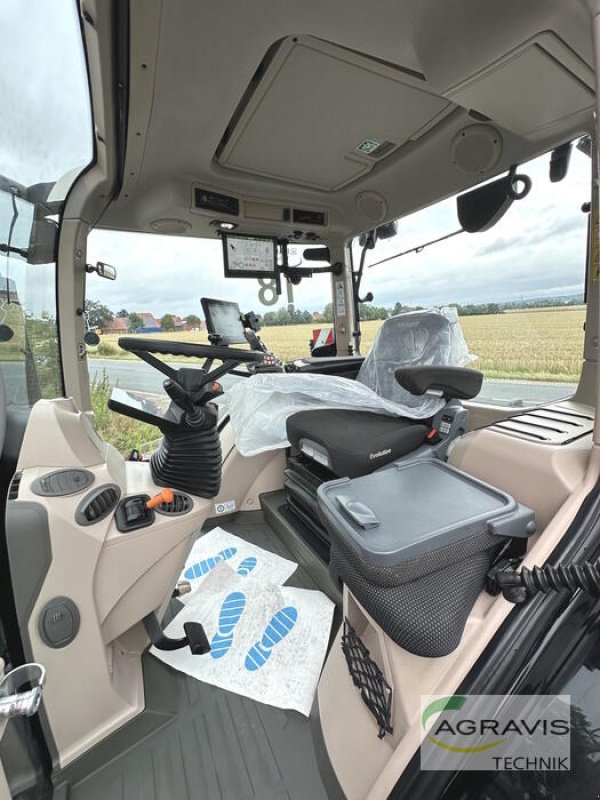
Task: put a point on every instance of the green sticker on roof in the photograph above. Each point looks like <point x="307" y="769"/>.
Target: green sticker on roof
<point x="368" y="146"/>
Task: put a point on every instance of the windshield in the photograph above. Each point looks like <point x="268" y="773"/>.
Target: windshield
<point x="518" y="287"/>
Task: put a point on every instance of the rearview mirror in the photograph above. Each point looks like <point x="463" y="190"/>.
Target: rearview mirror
<point x="103" y="270"/>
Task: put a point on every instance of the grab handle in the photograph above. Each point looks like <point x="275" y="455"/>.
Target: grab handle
<point x="15" y="703"/>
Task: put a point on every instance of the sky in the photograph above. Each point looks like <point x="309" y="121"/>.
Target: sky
<point x="537" y="249"/>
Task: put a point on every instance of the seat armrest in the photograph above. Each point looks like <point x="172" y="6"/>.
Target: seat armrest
<point x="454" y="383"/>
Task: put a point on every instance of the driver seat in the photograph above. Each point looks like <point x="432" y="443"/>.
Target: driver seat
<point x="416" y="362"/>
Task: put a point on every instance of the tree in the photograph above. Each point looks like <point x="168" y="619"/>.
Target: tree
<point x="123" y="314"/>
<point x="397" y="309"/>
<point x="98" y="315"/>
<point x="328" y="313"/>
<point x="192" y="319"/>
<point x="135" y="321"/>
<point x="167" y="322"/>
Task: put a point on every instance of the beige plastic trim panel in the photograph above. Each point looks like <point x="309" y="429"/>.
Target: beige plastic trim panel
<point x="246" y="478"/>
<point x="541" y="476"/>
<point x="70" y="297"/>
<point x="514" y="91"/>
<point x="94" y="684"/>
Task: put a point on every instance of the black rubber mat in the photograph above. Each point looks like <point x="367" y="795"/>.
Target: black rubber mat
<point x="195" y="741"/>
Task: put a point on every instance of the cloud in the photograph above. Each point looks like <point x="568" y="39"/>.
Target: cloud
<point x="537" y="248"/>
<point x="46" y="124"/>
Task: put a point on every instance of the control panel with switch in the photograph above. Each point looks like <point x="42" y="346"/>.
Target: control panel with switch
<point x="137" y="511"/>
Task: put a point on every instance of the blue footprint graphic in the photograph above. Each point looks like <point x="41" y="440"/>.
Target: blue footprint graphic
<point x="246" y="566"/>
<point x="278" y="628"/>
<point x="207" y="564"/>
<point x="229" y="616"/>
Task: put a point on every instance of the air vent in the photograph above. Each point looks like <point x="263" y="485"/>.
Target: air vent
<point x="556" y="425"/>
<point x="63" y="482"/>
<point x="181" y="505"/>
<point x="97" y="505"/>
<point x="13" y="489"/>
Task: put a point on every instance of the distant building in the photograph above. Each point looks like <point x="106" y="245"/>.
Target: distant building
<point x="197" y="327"/>
<point x="150" y="322"/>
<point x="117" y="325"/>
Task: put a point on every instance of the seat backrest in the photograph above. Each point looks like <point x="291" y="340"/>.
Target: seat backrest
<point x="413" y="338"/>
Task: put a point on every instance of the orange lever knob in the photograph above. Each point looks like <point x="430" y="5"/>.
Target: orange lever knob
<point x="166" y="496"/>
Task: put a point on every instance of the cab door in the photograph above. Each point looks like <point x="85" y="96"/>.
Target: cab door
<point x="45" y="142"/>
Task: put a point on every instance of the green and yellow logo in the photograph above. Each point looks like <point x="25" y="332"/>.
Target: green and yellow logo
<point x="453" y="703"/>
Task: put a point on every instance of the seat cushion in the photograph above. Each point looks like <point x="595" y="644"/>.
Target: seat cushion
<point x="356" y="442"/>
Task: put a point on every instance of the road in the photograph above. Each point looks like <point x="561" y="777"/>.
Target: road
<point x="143" y="378"/>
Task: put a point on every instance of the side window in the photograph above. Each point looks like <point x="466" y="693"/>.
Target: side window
<point x="518" y="287"/>
<point x="45" y="141"/>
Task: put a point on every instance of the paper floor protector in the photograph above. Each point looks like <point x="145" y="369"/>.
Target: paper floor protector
<point x="247" y="559"/>
<point x="268" y="642"/>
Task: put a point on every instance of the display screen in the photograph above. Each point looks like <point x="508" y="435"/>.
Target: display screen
<point x="223" y="320"/>
<point x="249" y="256"/>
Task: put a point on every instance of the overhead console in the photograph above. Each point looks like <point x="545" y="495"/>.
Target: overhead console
<point x="292" y="127"/>
<point x="237" y="208"/>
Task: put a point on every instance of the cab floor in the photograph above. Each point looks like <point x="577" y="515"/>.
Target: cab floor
<point x="198" y="741"/>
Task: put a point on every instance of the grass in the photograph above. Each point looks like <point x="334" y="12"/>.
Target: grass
<point x="122" y="432"/>
<point x="530" y="345"/>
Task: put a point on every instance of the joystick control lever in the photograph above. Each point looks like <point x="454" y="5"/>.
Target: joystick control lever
<point x="179" y="396"/>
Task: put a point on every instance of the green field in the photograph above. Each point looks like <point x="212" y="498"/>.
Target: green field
<point x="545" y="345"/>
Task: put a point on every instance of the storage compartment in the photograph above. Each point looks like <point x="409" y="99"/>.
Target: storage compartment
<point x="413" y="543"/>
<point x="375" y="691"/>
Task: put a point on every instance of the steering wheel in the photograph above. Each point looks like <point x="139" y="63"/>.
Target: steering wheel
<point x="229" y="356"/>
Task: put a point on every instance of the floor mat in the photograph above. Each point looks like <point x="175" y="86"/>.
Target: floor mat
<point x="268" y="642"/>
<point x="218" y="546"/>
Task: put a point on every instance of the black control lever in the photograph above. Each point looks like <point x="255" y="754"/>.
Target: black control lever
<point x="179" y="396"/>
<point x="195" y="637"/>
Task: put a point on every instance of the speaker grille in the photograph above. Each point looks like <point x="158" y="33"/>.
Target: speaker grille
<point x="476" y="149"/>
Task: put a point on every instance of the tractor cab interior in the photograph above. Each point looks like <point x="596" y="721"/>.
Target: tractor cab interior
<point x="378" y="466"/>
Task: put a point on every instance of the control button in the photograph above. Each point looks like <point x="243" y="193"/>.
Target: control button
<point x="59" y="622"/>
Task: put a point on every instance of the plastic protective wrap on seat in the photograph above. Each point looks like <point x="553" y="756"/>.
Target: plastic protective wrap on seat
<point x="416" y="338"/>
<point x="260" y="406"/>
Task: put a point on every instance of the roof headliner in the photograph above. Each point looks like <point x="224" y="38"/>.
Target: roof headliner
<point x="191" y="62"/>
